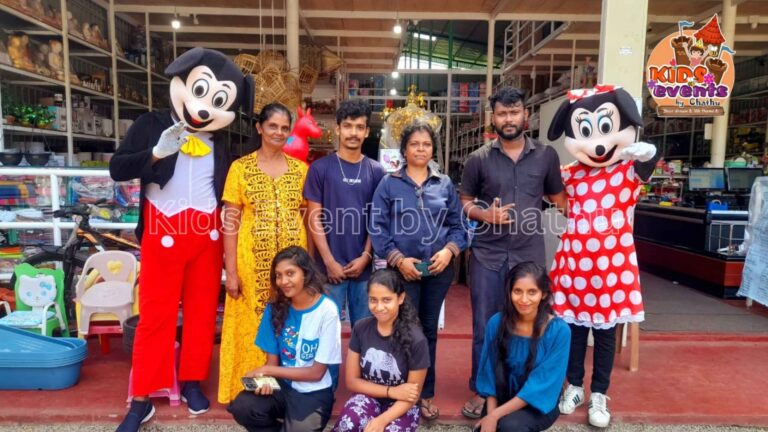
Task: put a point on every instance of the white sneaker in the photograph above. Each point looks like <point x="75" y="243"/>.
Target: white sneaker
<point x="599" y="416"/>
<point x="572" y="397"/>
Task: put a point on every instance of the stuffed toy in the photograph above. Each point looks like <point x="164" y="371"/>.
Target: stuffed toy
<point x="305" y="127"/>
<point x="18" y="50"/>
<point x="182" y="161"/>
<point x="595" y="276"/>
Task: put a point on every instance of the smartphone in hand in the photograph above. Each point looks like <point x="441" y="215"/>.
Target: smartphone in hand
<point x="255" y="383"/>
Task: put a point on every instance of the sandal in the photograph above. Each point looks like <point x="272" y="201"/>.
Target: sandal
<point x="473" y="408"/>
<point x="427" y="410"/>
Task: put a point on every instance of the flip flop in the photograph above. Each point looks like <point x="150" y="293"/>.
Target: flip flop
<point x="427" y="410"/>
<point x="472" y="409"/>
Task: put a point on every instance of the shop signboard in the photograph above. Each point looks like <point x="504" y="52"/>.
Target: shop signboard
<point x="690" y="73"/>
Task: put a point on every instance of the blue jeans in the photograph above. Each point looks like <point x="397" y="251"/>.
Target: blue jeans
<point x="355" y="294"/>
<point x="426" y="296"/>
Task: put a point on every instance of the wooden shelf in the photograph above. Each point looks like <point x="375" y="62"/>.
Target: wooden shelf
<point x="22" y="77"/>
<point x="28" y="19"/>
<point x="91" y="92"/>
<point x="753" y="124"/>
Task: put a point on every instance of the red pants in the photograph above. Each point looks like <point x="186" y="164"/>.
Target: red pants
<point x="181" y="261"/>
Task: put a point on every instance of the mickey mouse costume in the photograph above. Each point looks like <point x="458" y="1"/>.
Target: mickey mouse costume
<point x="596" y="282"/>
<point x="182" y="163"/>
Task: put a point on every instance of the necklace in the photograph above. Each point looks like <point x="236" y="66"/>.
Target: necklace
<point x="347" y="180"/>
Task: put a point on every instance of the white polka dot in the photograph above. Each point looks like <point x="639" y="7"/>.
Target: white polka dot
<point x="579" y="174"/>
<point x="559" y="298"/>
<point x="214" y="234"/>
<point x="624" y="195"/>
<point x="596" y="281"/>
<point x="554" y="267"/>
<point x="569" y="190"/>
<point x="610" y="242"/>
<point x="571" y="263"/>
<point x="616" y="179"/>
<point x="605" y="300"/>
<point x="590" y="300"/>
<point x="581" y="189"/>
<point x="636" y="193"/>
<point x="568" y="313"/>
<point x="595" y="171"/>
<point x="567" y="245"/>
<point x="576" y="245"/>
<point x="611" y="280"/>
<point x="608" y="201"/>
<point x="631" y="172"/>
<point x="166" y="241"/>
<point x="598" y="186"/>
<point x="617" y="220"/>
<point x="565" y="281"/>
<point x="579" y="283"/>
<point x="576" y="208"/>
<point x="603" y="262"/>
<point x="562" y="262"/>
<point x="618" y="259"/>
<point x="626" y="240"/>
<point x="598" y="318"/>
<point x="600" y="224"/>
<point x="593" y="245"/>
<point x="619" y="296"/>
<point x="627" y="277"/>
<point x="574" y="300"/>
<point x="559" y="246"/>
<point x="590" y="205"/>
<point x="585" y="264"/>
<point x="566" y="175"/>
<point x="633" y="258"/>
<point x="626" y="312"/>
<point x="584" y="316"/>
<point x="571" y="228"/>
<point x="635" y="298"/>
<point x="612" y="316"/>
<point x="631" y="214"/>
<point x="582" y="226"/>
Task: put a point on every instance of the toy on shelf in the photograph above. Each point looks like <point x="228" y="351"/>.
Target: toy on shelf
<point x="18" y="50"/>
<point x="74" y="26"/>
<point x="55" y="59"/>
<point x="4" y="57"/>
<point x="41" y="60"/>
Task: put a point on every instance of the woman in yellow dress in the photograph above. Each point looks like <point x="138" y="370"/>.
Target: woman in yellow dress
<point x="262" y="215"/>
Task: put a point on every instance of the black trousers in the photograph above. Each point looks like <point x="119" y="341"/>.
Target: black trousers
<point x="528" y="419"/>
<point x="426" y="296"/>
<point x="602" y="364"/>
<point x="299" y="412"/>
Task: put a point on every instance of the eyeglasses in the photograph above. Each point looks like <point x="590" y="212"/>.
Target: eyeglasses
<point x="420" y="196"/>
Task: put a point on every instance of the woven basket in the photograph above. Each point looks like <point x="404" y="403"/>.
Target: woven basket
<point x="267" y="58"/>
<point x="268" y="87"/>
<point x="312" y="55"/>
<point x="308" y="78"/>
<point x="291" y="97"/>
<point x="246" y="63"/>
<point x="331" y="62"/>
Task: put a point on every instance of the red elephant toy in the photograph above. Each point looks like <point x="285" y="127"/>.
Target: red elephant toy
<point x="297" y="145"/>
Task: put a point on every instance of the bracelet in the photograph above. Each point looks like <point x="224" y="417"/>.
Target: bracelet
<point x="387" y="392"/>
<point x="369" y="254"/>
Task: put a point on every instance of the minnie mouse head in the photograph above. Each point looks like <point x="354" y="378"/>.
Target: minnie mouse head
<point x="598" y="124"/>
<point x="207" y="89"/>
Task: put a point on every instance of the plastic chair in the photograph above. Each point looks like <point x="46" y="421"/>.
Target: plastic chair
<point x="112" y="293"/>
<point x="37" y="290"/>
<point x="173" y="393"/>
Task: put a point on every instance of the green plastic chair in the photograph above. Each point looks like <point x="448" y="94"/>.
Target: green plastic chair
<point x="34" y="300"/>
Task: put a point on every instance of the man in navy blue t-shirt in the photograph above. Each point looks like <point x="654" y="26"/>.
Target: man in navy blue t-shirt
<point x="339" y="189"/>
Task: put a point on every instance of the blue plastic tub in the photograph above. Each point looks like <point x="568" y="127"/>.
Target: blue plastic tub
<point x="30" y="361"/>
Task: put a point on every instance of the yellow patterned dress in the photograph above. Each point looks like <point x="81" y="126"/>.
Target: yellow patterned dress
<point x="270" y="221"/>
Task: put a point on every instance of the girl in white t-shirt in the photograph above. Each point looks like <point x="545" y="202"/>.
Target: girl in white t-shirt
<point x="301" y="334"/>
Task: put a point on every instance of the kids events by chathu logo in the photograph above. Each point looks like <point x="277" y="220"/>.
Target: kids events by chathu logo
<point x="690" y="72"/>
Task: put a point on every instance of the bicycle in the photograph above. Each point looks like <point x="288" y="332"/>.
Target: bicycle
<point x="71" y="256"/>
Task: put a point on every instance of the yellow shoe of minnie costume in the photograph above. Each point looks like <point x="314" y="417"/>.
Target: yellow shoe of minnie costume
<point x="181" y="159"/>
<point x="595" y="277"/>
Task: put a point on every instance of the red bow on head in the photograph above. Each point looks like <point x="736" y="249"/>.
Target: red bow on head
<point x="579" y="94"/>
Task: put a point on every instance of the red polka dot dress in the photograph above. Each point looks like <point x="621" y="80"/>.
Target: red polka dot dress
<point x="595" y="277"/>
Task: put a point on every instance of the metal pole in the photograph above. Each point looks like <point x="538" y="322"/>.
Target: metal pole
<point x="113" y="44"/>
<point x="573" y="61"/>
<point x="489" y="68"/>
<point x="67" y="82"/>
<point x="292" y="33"/>
<point x="446" y="164"/>
<point x="450" y="44"/>
<point x="149" y="60"/>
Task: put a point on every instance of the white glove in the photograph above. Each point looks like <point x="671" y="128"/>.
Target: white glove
<point x="170" y="141"/>
<point x="640" y="151"/>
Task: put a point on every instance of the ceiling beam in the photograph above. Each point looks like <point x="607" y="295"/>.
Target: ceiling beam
<point x="568" y="51"/>
<point x="579" y="36"/>
<point x="353" y="61"/>
<point x="500" y="5"/>
<point x="547" y="17"/>
<point x="199" y="10"/>
<point x="281" y="47"/>
<point x="274" y="31"/>
<point x="393" y="15"/>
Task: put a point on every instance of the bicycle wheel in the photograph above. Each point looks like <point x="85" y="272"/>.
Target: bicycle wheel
<point x="56" y="260"/>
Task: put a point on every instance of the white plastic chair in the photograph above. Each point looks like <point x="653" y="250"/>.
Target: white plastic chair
<point x="112" y="293"/>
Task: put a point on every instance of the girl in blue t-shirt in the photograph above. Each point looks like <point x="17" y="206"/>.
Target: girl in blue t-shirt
<point x="524" y="356"/>
<point x="301" y="334"/>
<point x="387" y="362"/>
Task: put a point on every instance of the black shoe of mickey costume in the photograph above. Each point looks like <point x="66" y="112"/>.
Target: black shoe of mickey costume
<point x="140" y="412"/>
<point x="193" y="396"/>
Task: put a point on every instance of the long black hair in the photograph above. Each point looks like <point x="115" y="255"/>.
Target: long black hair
<point x="509" y="320"/>
<point x="406" y="316"/>
<point x="268" y="111"/>
<point x="313" y="282"/>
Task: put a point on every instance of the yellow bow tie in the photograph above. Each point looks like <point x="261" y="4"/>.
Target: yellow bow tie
<point x="195" y="147"/>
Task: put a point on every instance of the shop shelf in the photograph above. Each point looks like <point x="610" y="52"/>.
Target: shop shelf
<point x="91" y="92"/>
<point x="13" y="75"/>
<point x="84" y="44"/>
<point x="132" y="105"/>
<point x="29" y="131"/>
<point x="753" y="124"/>
<point x="125" y="66"/>
<point x="21" y="17"/>
<point x="88" y="137"/>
